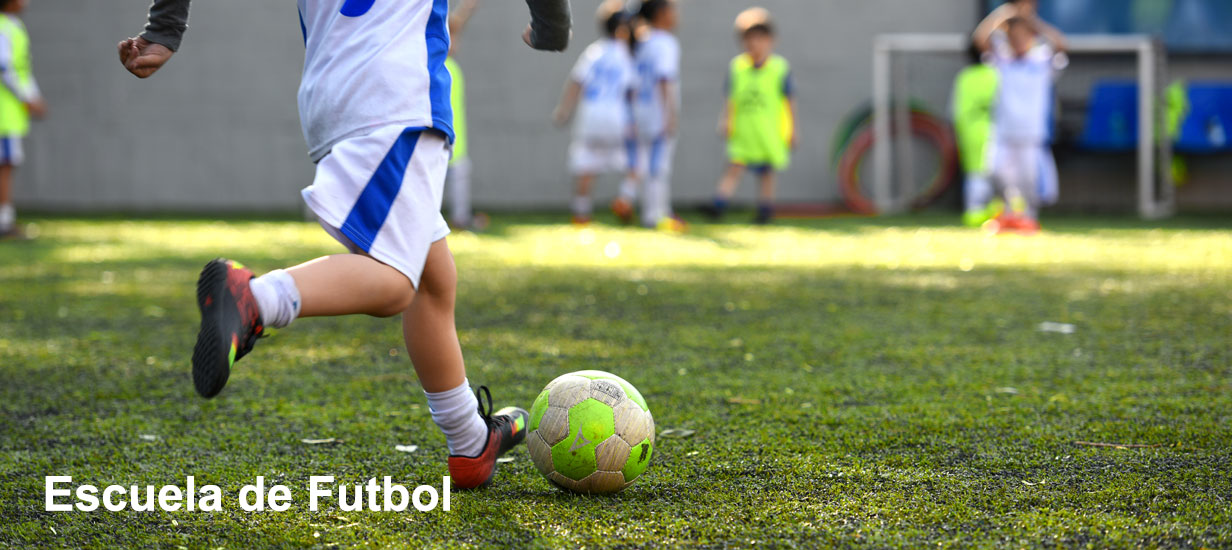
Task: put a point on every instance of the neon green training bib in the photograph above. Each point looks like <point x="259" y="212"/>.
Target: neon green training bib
<point x="975" y="91"/>
<point x="457" y="97"/>
<point x="761" y="124"/>
<point x="14" y="117"/>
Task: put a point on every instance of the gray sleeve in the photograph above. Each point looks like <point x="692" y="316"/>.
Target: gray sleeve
<point x="550" y="24"/>
<point x="167" y="22"/>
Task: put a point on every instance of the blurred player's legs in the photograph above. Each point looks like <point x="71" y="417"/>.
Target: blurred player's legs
<point x="461" y="215"/>
<point x="1016" y="171"/>
<point x="979" y="200"/>
<point x="768" y="180"/>
<point x="622" y="206"/>
<point x="728" y="183"/>
<point x="581" y="205"/>
<point x="654" y="168"/>
<point x="1049" y="178"/>
<point x="589" y="159"/>
<point x="11" y="156"/>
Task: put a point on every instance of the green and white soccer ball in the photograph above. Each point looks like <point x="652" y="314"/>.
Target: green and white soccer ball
<point x="591" y="432"/>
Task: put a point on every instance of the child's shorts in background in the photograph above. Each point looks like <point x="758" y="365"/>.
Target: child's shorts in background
<point x="753" y="150"/>
<point x="382" y="192"/>
<point x="598" y="157"/>
<point x="11" y="151"/>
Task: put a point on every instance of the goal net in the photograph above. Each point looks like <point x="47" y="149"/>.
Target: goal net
<point x="1109" y="108"/>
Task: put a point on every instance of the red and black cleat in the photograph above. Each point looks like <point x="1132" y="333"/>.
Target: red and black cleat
<point x="230" y="323"/>
<point x="506" y="428"/>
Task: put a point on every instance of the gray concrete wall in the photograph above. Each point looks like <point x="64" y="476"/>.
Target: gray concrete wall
<point x="218" y="129"/>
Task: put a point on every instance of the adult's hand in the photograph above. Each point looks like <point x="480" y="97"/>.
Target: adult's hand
<point x="142" y="57"/>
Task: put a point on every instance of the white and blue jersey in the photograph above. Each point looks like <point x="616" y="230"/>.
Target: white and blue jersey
<point x="1025" y="94"/>
<point x="658" y="60"/>
<point x="371" y="64"/>
<point x="606" y="75"/>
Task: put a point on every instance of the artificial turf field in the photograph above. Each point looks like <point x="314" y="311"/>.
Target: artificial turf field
<point x="849" y="383"/>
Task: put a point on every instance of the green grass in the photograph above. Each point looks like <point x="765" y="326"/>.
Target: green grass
<point x="851" y="383"/>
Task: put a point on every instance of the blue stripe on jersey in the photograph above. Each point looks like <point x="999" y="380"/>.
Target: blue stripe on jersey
<point x="302" y="27"/>
<point x="7" y="157"/>
<point x="437" y="35"/>
<point x="356" y="8"/>
<point x="368" y="215"/>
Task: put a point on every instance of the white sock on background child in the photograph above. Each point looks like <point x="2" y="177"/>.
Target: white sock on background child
<point x="628" y="190"/>
<point x="277" y="298"/>
<point x="8" y="216"/>
<point x="582" y="206"/>
<point x="456" y="412"/>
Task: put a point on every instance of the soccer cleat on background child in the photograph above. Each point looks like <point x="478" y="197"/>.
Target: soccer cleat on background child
<point x="230" y="323"/>
<point x="979" y="217"/>
<point x="506" y="428"/>
<point x="623" y="210"/>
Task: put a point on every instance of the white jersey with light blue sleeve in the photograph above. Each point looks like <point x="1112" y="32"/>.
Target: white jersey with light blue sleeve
<point x="658" y="61"/>
<point x="370" y="64"/>
<point x="606" y="74"/>
<point x="1026" y="90"/>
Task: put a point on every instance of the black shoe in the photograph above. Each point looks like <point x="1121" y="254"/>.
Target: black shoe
<point x="230" y="324"/>
<point x="712" y="212"/>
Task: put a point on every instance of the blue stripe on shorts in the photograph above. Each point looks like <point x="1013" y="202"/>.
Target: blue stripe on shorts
<point x="368" y="215"/>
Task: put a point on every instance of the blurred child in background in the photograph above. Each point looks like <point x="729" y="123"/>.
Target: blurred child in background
<point x="1027" y="69"/>
<point x="599" y="91"/>
<point x="19" y="100"/>
<point x="759" y="117"/>
<point x="461" y="215"/>
<point x="656" y="110"/>
<point x="975" y="95"/>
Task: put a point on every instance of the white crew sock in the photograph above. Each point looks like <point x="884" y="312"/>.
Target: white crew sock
<point x="8" y="216"/>
<point x="628" y="189"/>
<point x="456" y="412"/>
<point x="277" y="298"/>
<point x="582" y="206"/>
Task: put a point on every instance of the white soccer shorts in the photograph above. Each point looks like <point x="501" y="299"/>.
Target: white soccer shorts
<point x="380" y="194"/>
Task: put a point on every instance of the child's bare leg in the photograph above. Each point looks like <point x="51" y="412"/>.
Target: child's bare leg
<point x="8" y="217"/>
<point x="432" y="342"/>
<point x="347" y="284"/>
<point x="583" y="207"/>
<point x="730" y="181"/>
<point x="765" y="195"/>
<point x="6" y="183"/>
<point x="768" y="182"/>
<point x="428" y="324"/>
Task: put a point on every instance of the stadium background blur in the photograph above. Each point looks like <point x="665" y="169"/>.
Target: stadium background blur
<point x="223" y="115"/>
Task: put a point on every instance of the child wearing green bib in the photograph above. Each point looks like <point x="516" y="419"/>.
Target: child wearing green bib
<point x="759" y="119"/>
<point x="19" y="100"/>
<point x="975" y="94"/>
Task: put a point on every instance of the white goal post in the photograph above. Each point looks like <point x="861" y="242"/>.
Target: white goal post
<point x="1156" y="193"/>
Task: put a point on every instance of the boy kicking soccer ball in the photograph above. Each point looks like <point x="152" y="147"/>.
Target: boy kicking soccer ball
<point x="19" y="99"/>
<point x="1027" y="71"/>
<point x="599" y="90"/>
<point x="758" y="120"/>
<point x="381" y="156"/>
